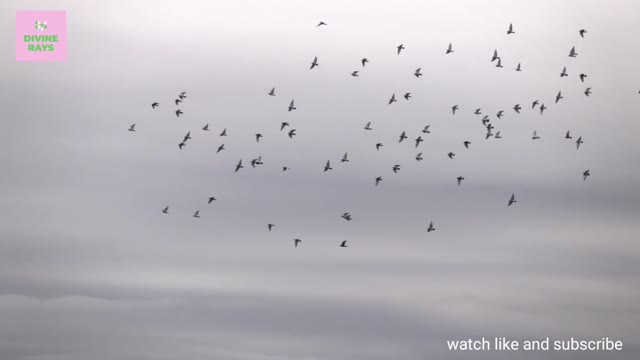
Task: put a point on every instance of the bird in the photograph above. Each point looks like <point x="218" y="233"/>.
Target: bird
<point x="178" y="101"/>
<point x="418" y="73"/>
<point x="578" y="142"/>
<point x="518" y="68"/>
<point x="154" y="105"/>
<point x="211" y="199"/>
<point x="407" y="96"/>
<point x="582" y="77"/>
<point x="178" y="112"/>
<point x="314" y="63"/>
<point x="181" y="145"/>
<point x="364" y="61"/>
<point x="272" y="92"/>
<point x="499" y="114"/>
<point x="344" y="244"/>
<point x="368" y="126"/>
<point x="291" y="106"/>
<point x="255" y="162"/>
<point x="568" y="135"/>
<point x="187" y="137"/>
<point x="285" y="168"/>
<point x="321" y="24"/>
<point x="499" y="64"/>
<point x="296" y="242"/>
<point x="402" y="137"/>
<point x="355" y="73"/>
<point x="535" y="136"/>
<point x="224" y="132"/>
<point x="572" y="52"/>
<point x="346" y="216"/>
<point x="460" y="178"/>
<point x="327" y="166"/>
<point x="426" y="130"/>
<point x="206" y="127"/>
<point x="292" y="133"/>
<point x="400" y="48"/>
<point x="542" y="108"/>
<point x="582" y="32"/>
<point x="585" y="175"/>
<point x="454" y="108"/>
<point x="393" y="99"/>
<point x="182" y="95"/>
<point x="466" y="144"/>
<point x="512" y="200"/>
<point x="564" y="72"/>
<point x="220" y="148"/>
<point x="559" y="96"/>
<point x="587" y="91"/>
<point x="344" y="158"/>
<point x="270" y="226"/>
<point x="449" y="49"/>
<point x="258" y="136"/>
<point x="451" y="155"/>
<point x="283" y="125"/>
<point x="431" y="227"/>
<point x="396" y="168"/>
<point x="517" y="108"/>
<point x="196" y="214"/>
<point x="378" y="180"/>
<point x="534" y="104"/>
<point x="478" y="111"/>
<point x="378" y="146"/>
<point x="239" y="166"/>
<point x="166" y="209"/>
<point x="418" y="140"/>
<point x="419" y="157"/>
<point x="510" y="31"/>
<point x="498" y="135"/>
<point x="495" y="55"/>
<point x="132" y="128"/>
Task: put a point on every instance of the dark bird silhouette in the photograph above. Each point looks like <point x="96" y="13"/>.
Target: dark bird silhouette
<point x="542" y="108"/>
<point x="499" y="64"/>
<point x="396" y="168"/>
<point x="378" y="180"/>
<point x="296" y="242"/>
<point x="400" y="48"/>
<point x="322" y="23"/>
<point x="466" y="144"/>
<point x="402" y="137"/>
<point x="449" y="49"/>
<point x="407" y="96"/>
<point x="451" y="155"/>
<point x="499" y="114"/>
<point x="206" y="127"/>
<point x="417" y="73"/>
<point x="346" y="216"/>
<point x="239" y="166"/>
<point x="460" y="178"/>
<point x="220" y="148"/>
<point x="517" y="108"/>
<point x="568" y="135"/>
<point x="211" y="199"/>
<point x="512" y="200"/>
<point x="419" y="157"/>
<point x="154" y="105"/>
<point x="344" y="244"/>
<point x="196" y="214"/>
<point x="178" y="101"/>
<point x="258" y="136"/>
<point x="355" y="73"/>
<point x="270" y="226"/>
<point x="559" y="96"/>
<point x="518" y="68"/>
<point x="582" y="77"/>
<point x="257" y="161"/>
<point x="181" y="145"/>
<point x="431" y="227"/>
<point x="478" y="111"/>
<point x="510" y="31"/>
<point x="166" y="209"/>
<point x="291" y="106"/>
<point x="132" y="128"/>
<point x="425" y="130"/>
<point x="564" y="72"/>
<point x="378" y="146"/>
<point x="178" y="112"/>
<point x="495" y="55"/>
<point x="285" y="168"/>
<point x="585" y="175"/>
<point x="587" y="91"/>
<point x="224" y="132"/>
<point x="582" y="32"/>
<point x="327" y="166"/>
<point x="272" y="92"/>
<point x="578" y="142"/>
<point x="368" y="126"/>
<point x="534" y="104"/>
<point x="187" y="137"/>
<point x="454" y="108"/>
<point x="292" y="133"/>
<point x="283" y="125"/>
<point x="344" y="158"/>
<point x="572" y="52"/>
<point x="535" y="136"/>
<point x="498" y="135"/>
<point x="418" y="140"/>
<point x="393" y="99"/>
<point x="182" y="95"/>
<point x="314" y="63"/>
<point x="364" y="61"/>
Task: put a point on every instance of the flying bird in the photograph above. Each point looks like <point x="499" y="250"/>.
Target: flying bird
<point x="322" y="23"/>
<point x="582" y="32"/>
<point x="346" y="216"/>
<point x="449" y="49"/>
<point x="327" y="166"/>
<point x="498" y="135"/>
<point x="568" y="135"/>
<point x="426" y="130"/>
<point x="564" y="72"/>
<point x="181" y="145"/>
<point x="182" y="95"/>
<point x="396" y="168"/>
<point x="542" y="108"/>
<point x="378" y="146"/>
<point x="206" y="127"/>
<point x="270" y="226"/>
<point x="393" y="99"/>
<point x="407" y="96"/>
<point x="495" y="55"/>
<point x="187" y="137"/>
<point x="344" y="244"/>
<point x="291" y="106"/>
<point x="196" y="214"/>
<point x="239" y="166"/>
<point x="451" y="155"/>
<point x="378" y="180"/>
<point x="296" y="242"/>
<point x="587" y="91"/>
<point x="272" y="92"/>
<point x="211" y="199"/>
<point x="220" y="148"/>
<point x="559" y="96"/>
<point x="314" y="63"/>
<point x="132" y="128"/>
<point x="499" y="114"/>
<point x="572" y="52"/>
<point x="292" y="133"/>
<point x="400" y="48"/>
<point x="478" y="111"/>
<point x="368" y="126"/>
<point x="582" y="77"/>
<point x="364" y="61"/>
<point x="283" y="125"/>
<point x="154" y="105"/>
<point x="344" y="158"/>
<point x="585" y="175"/>
<point x="355" y="73"/>
<point x="178" y="101"/>
<point x="431" y="228"/>
<point x="258" y="136"/>
<point x="166" y="209"/>
<point x="418" y="140"/>
<point x="578" y="142"/>
<point x="534" y="104"/>
<point x="535" y="136"/>
<point x="466" y="144"/>
<point x="454" y="108"/>
<point x="512" y="200"/>
<point x="418" y="73"/>
<point x="460" y="178"/>
<point x="402" y="137"/>
<point x="419" y="157"/>
<point x="499" y="64"/>
<point x="517" y="108"/>
<point x="510" y="31"/>
<point x="518" y="68"/>
<point x="224" y="132"/>
<point x="178" y="112"/>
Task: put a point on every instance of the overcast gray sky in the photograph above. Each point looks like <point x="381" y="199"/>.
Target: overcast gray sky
<point x="90" y="269"/>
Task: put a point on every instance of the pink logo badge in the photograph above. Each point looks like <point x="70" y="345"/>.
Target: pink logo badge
<point x="41" y="36"/>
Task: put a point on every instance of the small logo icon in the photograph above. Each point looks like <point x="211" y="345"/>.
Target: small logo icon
<point x="41" y="36"/>
<point x="41" y="25"/>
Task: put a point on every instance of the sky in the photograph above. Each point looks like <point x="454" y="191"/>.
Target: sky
<point x="91" y="269"/>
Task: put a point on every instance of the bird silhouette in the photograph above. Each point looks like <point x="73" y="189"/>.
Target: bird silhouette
<point x="499" y="64"/>
<point x="196" y="214"/>
<point x="499" y="114"/>
<point x="154" y="105"/>
<point x="292" y="106"/>
<point x="211" y="199"/>
<point x="239" y="166"/>
<point x="393" y="99"/>
<point x="396" y="168"/>
<point x="178" y="101"/>
<point x="400" y="48"/>
<point x="419" y="157"/>
<point x="417" y="73"/>
<point x="534" y="104"/>
<point x="346" y="216"/>
<point x="344" y="244"/>
<point x="364" y="61"/>
<point x="578" y="142"/>
<point x="587" y="91"/>
<point x="518" y="68"/>
<point x="402" y="137"/>
<point x="183" y="95"/>
<point x="559" y="96"/>
<point x="585" y="175"/>
<point x="178" y="112"/>
<point x="224" y="132"/>
<point x="378" y="180"/>
<point x="582" y="77"/>
<point x="535" y="136"/>
<point x="220" y="148"/>
<point x="431" y="227"/>
<point x="498" y="135"/>
<point x="517" y="108"/>
<point x="454" y="108"/>
<point x="512" y="200"/>
<point x="270" y="226"/>
<point x="460" y="178"/>
<point x="418" y="140"/>
<point x="355" y="73"/>
<point x="478" y="111"/>
<point x="292" y="133"/>
<point x="572" y="52"/>
<point x="449" y="49"/>
<point x="322" y="23"/>
<point x="495" y="55"/>
<point x="314" y="63"/>
<point x="542" y="108"/>
<point x="132" y="128"/>
<point x="166" y="209"/>
<point x="451" y="155"/>
<point x="258" y="136"/>
<point x="181" y="145"/>
<point x="344" y="158"/>
<point x="564" y="72"/>
<point x="327" y="166"/>
<point x="368" y="126"/>
<point x="296" y="242"/>
<point x="466" y="144"/>
<point x="187" y="137"/>
<point x="510" y="31"/>
<point x="425" y="130"/>
<point x="272" y="92"/>
<point x="378" y="146"/>
<point x="582" y="32"/>
<point x="567" y="135"/>
<point x="407" y="96"/>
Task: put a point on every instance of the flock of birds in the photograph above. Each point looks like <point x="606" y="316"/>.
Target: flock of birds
<point x="485" y="120"/>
